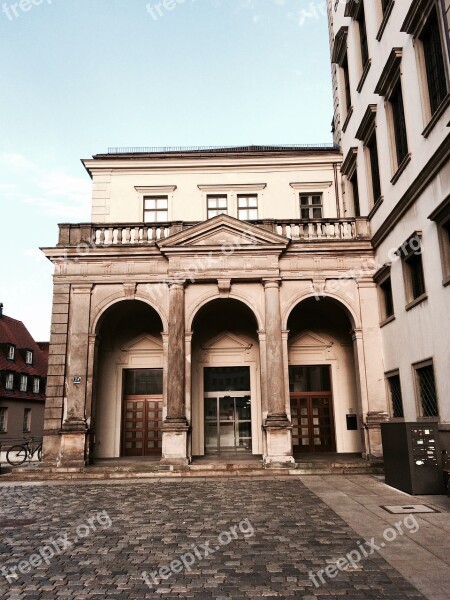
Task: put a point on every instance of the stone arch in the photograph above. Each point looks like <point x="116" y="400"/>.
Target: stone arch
<point x="102" y="309"/>
<point x="211" y="296"/>
<point x="300" y="297"/>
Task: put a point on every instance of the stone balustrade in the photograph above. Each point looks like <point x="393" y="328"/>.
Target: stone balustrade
<point x="135" y="234"/>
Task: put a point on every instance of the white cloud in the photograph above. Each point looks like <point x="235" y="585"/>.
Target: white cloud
<point x="55" y="192"/>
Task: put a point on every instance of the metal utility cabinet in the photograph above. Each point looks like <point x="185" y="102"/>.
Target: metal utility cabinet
<point x="412" y="459"/>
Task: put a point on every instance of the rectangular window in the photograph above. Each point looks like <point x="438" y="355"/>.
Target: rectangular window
<point x="11" y="352"/>
<point x="9" y="383"/>
<point x="348" y="94"/>
<point x="156" y="209"/>
<point x="355" y="192"/>
<point x="23" y="383"/>
<point x="388" y="301"/>
<point x="311" y="207"/>
<point x="361" y="19"/>
<point x="374" y="167"/>
<point x="217" y="205"/>
<point x="29" y="357"/>
<point x="395" y="396"/>
<point x="399" y="123"/>
<point x="27" y="420"/>
<point x="434" y="61"/>
<point x="3" y="420"/>
<point x="413" y="269"/>
<point x="36" y="385"/>
<point x="384" y="5"/>
<point x="426" y="390"/>
<point x="141" y="382"/>
<point x="248" y="207"/>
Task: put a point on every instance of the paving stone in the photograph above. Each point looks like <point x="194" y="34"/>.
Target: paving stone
<point x="103" y="537"/>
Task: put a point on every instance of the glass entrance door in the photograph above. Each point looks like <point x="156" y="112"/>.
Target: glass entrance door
<point x="228" y="424"/>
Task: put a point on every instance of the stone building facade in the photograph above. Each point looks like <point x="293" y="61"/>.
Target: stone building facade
<point x="221" y="302"/>
<point x="392" y="111"/>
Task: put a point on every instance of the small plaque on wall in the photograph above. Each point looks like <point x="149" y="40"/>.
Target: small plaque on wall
<point x="77" y="379"/>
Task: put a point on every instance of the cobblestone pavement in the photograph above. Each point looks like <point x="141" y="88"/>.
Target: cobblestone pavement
<point x="156" y="522"/>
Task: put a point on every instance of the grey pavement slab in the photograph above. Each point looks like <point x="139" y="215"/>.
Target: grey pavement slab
<point x="212" y="538"/>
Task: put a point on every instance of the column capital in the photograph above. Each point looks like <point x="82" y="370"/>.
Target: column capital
<point x="82" y="288"/>
<point x="176" y="285"/>
<point x="274" y="282"/>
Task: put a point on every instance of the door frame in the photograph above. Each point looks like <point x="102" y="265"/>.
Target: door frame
<point x="144" y="398"/>
<point x="307" y="395"/>
<point x="227" y="394"/>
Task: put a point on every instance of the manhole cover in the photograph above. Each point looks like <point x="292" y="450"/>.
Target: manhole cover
<point x="17" y="523"/>
<point x="407" y="509"/>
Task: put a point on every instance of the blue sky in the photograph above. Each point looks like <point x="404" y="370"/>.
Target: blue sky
<point x="79" y="76"/>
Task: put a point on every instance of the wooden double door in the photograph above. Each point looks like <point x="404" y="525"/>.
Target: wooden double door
<point x="311" y="409"/>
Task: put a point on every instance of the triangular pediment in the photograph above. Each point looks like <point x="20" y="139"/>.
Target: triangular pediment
<point x="226" y="233"/>
<point x="308" y="339"/>
<point x="143" y="343"/>
<point x="226" y="341"/>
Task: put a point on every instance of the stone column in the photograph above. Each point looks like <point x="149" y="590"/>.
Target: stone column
<point x="175" y="429"/>
<point x="73" y="431"/>
<point x="277" y="425"/>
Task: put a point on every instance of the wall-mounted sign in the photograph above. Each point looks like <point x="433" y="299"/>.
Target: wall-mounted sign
<point x="77" y="379"/>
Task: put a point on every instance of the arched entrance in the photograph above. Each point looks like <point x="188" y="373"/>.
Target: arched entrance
<point x="129" y="374"/>
<point x="226" y="390"/>
<point x="324" y="404"/>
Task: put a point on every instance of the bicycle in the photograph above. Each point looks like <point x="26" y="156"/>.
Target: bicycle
<point x="19" y="453"/>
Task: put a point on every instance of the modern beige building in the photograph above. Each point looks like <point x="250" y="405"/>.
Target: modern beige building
<point x="392" y="112"/>
<point x="220" y="303"/>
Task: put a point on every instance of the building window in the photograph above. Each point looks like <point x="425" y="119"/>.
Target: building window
<point x="441" y="216"/>
<point x="217" y="205"/>
<point x="426" y="389"/>
<point x="361" y="19"/>
<point x="310" y="207"/>
<point x="9" y="383"/>
<point x="3" y="420"/>
<point x="28" y="357"/>
<point x="156" y="209"/>
<point x="27" y="420"/>
<point x="434" y="60"/>
<point x="23" y="383"/>
<point x="36" y="385"/>
<point x="395" y="395"/>
<point x="384" y="5"/>
<point x="411" y="253"/>
<point x="355" y="193"/>
<point x="388" y="301"/>
<point x="372" y="149"/>
<point x="348" y="94"/>
<point x="399" y="123"/>
<point x="11" y="352"/>
<point x="248" y="207"/>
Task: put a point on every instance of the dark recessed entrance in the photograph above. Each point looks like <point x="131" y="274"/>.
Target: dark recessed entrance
<point x="227" y="405"/>
<point x="311" y="409"/>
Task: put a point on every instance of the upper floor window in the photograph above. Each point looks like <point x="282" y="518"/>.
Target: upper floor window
<point x="431" y="39"/>
<point x="217" y="205"/>
<point x="247" y="207"/>
<point x="383" y="279"/>
<point x="441" y="216"/>
<point x="411" y="254"/>
<point x="29" y="357"/>
<point x="156" y="209"/>
<point x="367" y="133"/>
<point x="347" y="89"/>
<point x="372" y="149"/>
<point x="384" y="5"/>
<point x="26" y="420"/>
<point x="11" y="352"/>
<point x="399" y="123"/>
<point x="23" y="383"/>
<point x="36" y="385"/>
<point x="361" y="19"/>
<point x="9" y="382"/>
<point x="3" y="419"/>
<point x="310" y="206"/>
<point x="355" y="193"/>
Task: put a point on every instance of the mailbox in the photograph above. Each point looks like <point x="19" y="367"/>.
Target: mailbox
<point x="412" y="457"/>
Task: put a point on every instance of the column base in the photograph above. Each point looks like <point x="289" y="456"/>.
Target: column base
<point x="374" y="447"/>
<point x="174" y="442"/>
<point x="279" y="441"/>
<point x="73" y="443"/>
